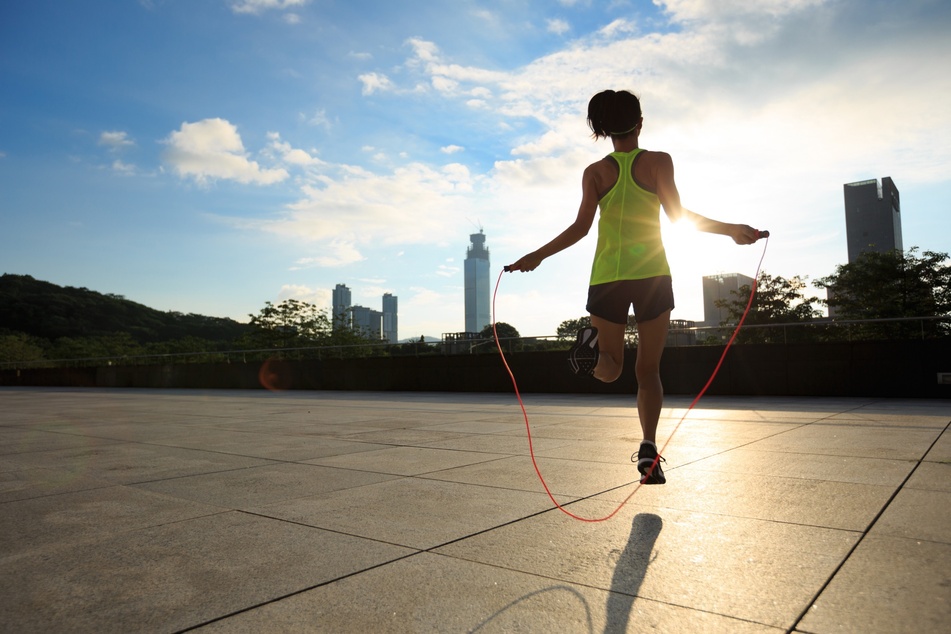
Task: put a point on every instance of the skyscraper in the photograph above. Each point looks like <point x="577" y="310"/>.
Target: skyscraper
<point x="367" y="320"/>
<point x="341" y="307"/>
<point x="872" y="217"/>
<point x="390" y="329"/>
<point x="719" y="287"/>
<point x="478" y="313"/>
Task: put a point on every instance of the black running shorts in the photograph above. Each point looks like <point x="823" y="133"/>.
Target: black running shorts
<point x="650" y="297"/>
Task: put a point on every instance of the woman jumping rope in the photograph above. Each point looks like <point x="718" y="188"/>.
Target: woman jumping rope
<point x="630" y="265"/>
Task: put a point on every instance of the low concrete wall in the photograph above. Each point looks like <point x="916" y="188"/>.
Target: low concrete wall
<point x="889" y="369"/>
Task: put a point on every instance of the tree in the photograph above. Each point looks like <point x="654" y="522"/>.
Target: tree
<point x="116" y="345"/>
<point x="414" y="348"/>
<point x="505" y="331"/>
<point x="509" y="337"/>
<point x="892" y="285"/>
<point x="20" y="348"/>
<point x="290" y="324"/>
<point x="777" y="301"/>
<point x="568" y="329"/>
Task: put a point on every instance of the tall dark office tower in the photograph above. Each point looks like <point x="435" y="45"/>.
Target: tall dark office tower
<point x="390" y="329"/>
<point x="872" y="217"/>
<point x="478" y="313"/>
<point x="341" y="307"/>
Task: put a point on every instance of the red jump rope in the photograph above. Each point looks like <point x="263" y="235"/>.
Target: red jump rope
<point x="528" y="429"/>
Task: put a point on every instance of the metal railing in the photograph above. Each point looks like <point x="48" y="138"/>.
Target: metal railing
<point x="818" y="331"/>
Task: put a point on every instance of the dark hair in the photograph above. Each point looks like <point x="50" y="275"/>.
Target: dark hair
<point x="613" y="113"/>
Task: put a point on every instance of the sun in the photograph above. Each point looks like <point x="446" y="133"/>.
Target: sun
<point x="682" y="241"/>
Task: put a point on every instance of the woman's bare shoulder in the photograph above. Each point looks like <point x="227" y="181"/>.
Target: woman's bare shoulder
<point x="653" y="156"/>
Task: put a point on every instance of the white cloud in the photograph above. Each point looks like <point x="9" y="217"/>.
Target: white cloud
<point x="115" y="140"/>
<point x="732" y="10"/>
<point x="451" y="149"/>
<point x="444" y="84"/>
<point x="423" y="50"/>
<point x="258" y="6"/>
<point x="211" y="149"/>
<point x="291" y="155"/>
<point x="375" y="82"/>
<point x="320" y="297"/>
<point x="557" y="26"/>
<point x="125" y="169"/>
<point x="318" y="118"/>
<point x="444" y="270"/>
<point x="335" y="254"/>
<point x="618" y="28"/>
<point x="355" y="206"/>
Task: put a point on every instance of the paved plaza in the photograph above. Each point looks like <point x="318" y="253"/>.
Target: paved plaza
<point x="255" y="511"/>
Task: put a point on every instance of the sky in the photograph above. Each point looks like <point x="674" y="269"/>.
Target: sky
<point x="208" y="156"/>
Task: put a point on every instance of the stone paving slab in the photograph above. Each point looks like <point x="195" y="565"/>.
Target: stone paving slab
<point x="169" y="577"/>
<point x="710" y="563"/>
<point x="888" y="585"/>
<point x="256" y="511"/>
<point x="447" y="594"/>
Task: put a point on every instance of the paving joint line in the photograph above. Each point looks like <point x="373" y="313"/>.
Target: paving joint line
<point x="793" y="628"/>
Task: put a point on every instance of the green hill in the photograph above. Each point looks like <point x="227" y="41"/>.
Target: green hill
<point x="47" y="311"/>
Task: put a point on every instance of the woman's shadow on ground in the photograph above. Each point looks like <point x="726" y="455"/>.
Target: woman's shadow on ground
<point x="630" y="570"/>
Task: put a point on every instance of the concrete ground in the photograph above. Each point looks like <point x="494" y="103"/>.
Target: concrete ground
<point x="167" y="511"/>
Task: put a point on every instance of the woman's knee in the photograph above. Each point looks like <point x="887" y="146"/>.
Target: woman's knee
<point x="647" y="373"/>
<point x="608" y="375"/>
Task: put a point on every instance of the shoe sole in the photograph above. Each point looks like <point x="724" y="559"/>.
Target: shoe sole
<point x="583" y="355"/>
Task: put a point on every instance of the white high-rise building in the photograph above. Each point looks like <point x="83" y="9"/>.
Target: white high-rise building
<point x="478" y="309"/>
<point x="341" y="307"/>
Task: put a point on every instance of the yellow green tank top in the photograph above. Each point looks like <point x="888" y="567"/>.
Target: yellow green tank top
<point x="629" y="242"/>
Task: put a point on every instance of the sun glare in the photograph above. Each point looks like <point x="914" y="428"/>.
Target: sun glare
<point x="683" y="226"/>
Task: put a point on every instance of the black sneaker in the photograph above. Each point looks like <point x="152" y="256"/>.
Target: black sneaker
<point x="583" y="356"/>
<point x="648" y="464"/>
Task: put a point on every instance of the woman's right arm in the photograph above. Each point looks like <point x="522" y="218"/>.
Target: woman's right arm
<point x="575" y="231"/>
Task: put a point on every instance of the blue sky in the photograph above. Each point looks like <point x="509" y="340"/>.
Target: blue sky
<point x="208" y="156"/>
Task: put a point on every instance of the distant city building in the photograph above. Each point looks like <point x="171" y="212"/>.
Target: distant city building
<point x="367" y="320"/>
<point x="464" y="342"/>
<point x="682" y="333"/>
<point x="341" y="307"/>
<point x="390" y="319"/>
<point x="719" y="287"/>
<point x="478" y="312"/>
<point x="380" y="325"/>
<point x="872" y="217"/>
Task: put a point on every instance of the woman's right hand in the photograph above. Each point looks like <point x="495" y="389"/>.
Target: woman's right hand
<point x="744" y="234"/>
<point x="526" y="263"/>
